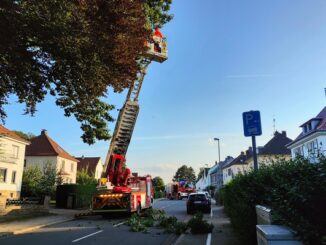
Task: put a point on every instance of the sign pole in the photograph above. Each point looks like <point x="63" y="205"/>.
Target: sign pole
<point x="254" y="152"/>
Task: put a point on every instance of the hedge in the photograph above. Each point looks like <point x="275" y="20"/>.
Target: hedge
<point x="80" y="195"/>
<point x="295" y="190"/>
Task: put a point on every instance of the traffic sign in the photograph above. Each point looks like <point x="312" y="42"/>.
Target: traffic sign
<point x="251" y="123"/>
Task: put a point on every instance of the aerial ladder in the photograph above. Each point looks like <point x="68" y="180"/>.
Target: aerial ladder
<point x="118" y="189"/>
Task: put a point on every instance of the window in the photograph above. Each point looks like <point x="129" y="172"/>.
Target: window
<point x="13" y="177"/>
<point x="3" y="175"/>
<point x="15" y="151"/>
<point x="72" y="167"/>
<point x="63" y="165"/>
<point x="229" y="172"/>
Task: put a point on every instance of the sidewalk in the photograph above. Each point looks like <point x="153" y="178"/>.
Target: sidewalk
<point x="22" y="226"/>
<point x="222" y="233"/>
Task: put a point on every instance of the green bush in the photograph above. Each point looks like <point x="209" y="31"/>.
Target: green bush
<point x="198" y="225"/>
<point x="158" y="194"/>
<point x="295" y="190"/>
<point x="81" y="195"/>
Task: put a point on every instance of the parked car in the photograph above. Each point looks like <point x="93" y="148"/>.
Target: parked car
<point x="207" y="195"/>
<point x="198" y="202"/>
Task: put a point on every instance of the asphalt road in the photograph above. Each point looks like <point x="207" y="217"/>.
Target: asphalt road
<point x="99" y="230"/>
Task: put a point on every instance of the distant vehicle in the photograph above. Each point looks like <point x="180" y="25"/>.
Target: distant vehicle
<point x="178" y="190"/>
<point x="198" y="202"/>
<point x="207" y="195"/>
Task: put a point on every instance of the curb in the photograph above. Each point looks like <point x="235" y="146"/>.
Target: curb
<point x="41" y="226"/>
<point x="21" y="231"/>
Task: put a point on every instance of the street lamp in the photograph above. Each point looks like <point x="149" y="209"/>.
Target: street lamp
<point x="219" y="154"/>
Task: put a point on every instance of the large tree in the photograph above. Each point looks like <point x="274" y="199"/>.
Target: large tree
<point x="185" y="173"/>
<point x="74" y="50"/>
<point x="158" y="184"/>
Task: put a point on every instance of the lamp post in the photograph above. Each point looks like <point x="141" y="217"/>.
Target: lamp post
<point x="219" y="154"/>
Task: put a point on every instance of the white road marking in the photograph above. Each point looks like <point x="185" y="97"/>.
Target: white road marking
<point x="209" y="238"/>
<point x="120" y="224"/>
<point x="211" y="213"/>
<point x="87" y="236"/>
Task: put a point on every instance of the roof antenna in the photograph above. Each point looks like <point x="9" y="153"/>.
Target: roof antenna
<point x="274" y="124"/>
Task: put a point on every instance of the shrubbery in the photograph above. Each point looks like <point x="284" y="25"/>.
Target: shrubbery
<point x="295" y="190"/>
<point x="170" y="224"/>
<point x="81" y="195"/>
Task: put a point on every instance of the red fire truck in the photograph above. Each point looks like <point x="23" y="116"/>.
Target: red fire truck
<point x="119" y="190"/>
<point x="178" y="190"/>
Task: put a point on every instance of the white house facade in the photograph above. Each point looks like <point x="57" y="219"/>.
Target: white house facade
<point x="43" y="150"/>
<point x="311" y="143"/>
<point x="12" y="153"/>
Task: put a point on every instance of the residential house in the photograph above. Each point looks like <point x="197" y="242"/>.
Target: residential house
<point x="212" y="173"/>
<point x="44" y="150"/>
<point x="273" y="150"/>
<point x="203" y="182"/>
<point x="12" y="153"/>
<point x="219" y="172"/>
<point x="236" y="166"/>
<point x="93" y="165"/>
<point x="311" y="142"/>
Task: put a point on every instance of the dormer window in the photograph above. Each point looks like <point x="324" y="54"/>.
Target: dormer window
<point x="309" y="127"/>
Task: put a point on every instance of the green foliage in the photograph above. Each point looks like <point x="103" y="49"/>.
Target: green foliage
<point x="159" y="187"/>
<point x="36" y="183"/>
<point x="84" y="178"/>
<point x="26" y="136"/>
<point x="185" y="173"/>
<point x="81" y="194"/>
<point x="157" y="12"/>
<point x="295" y="190"/>
<point x="156" y="217"/>
<point x="136" y="224"/>
<point x="198" y="225"/>
<point x="48" y="180"/>
<point x="74" y="51"/>
<point x="158" y="183"/>
<point x="158" y="194"/>
<point x="32" y="176"/>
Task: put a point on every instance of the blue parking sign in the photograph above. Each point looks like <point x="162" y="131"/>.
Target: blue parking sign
<point x="251" y="123"/>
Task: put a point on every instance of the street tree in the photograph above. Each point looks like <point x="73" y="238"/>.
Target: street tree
<point x="32" y="176"/>
<point x="27" y="136"/>
<point x="185" y="173"/>
<point x="39" y="182"/>
<point x="158" y="184"/>
<point x="75" y="51"/>
<point x="84" y="178"/>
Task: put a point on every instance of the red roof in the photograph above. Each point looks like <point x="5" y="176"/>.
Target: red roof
<point x="88" y="163"/>
<point x="6" y="132"/>
<point x="43" y="145"/>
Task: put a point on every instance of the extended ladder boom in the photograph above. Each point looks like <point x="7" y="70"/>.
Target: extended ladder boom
<point x="112" y="171"/>
<point x="126" y="120"/>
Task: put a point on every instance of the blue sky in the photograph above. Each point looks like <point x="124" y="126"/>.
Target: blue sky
<point x="225" y="57"/>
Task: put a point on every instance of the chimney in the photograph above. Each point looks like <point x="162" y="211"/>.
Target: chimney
<point x="44" y="132"/>
<point x="284" y="133"/>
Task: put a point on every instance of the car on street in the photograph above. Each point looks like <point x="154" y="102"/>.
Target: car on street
<point x="198" y="202"/>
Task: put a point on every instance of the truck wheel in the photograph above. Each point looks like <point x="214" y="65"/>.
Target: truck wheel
<point x="139" y="209"/>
